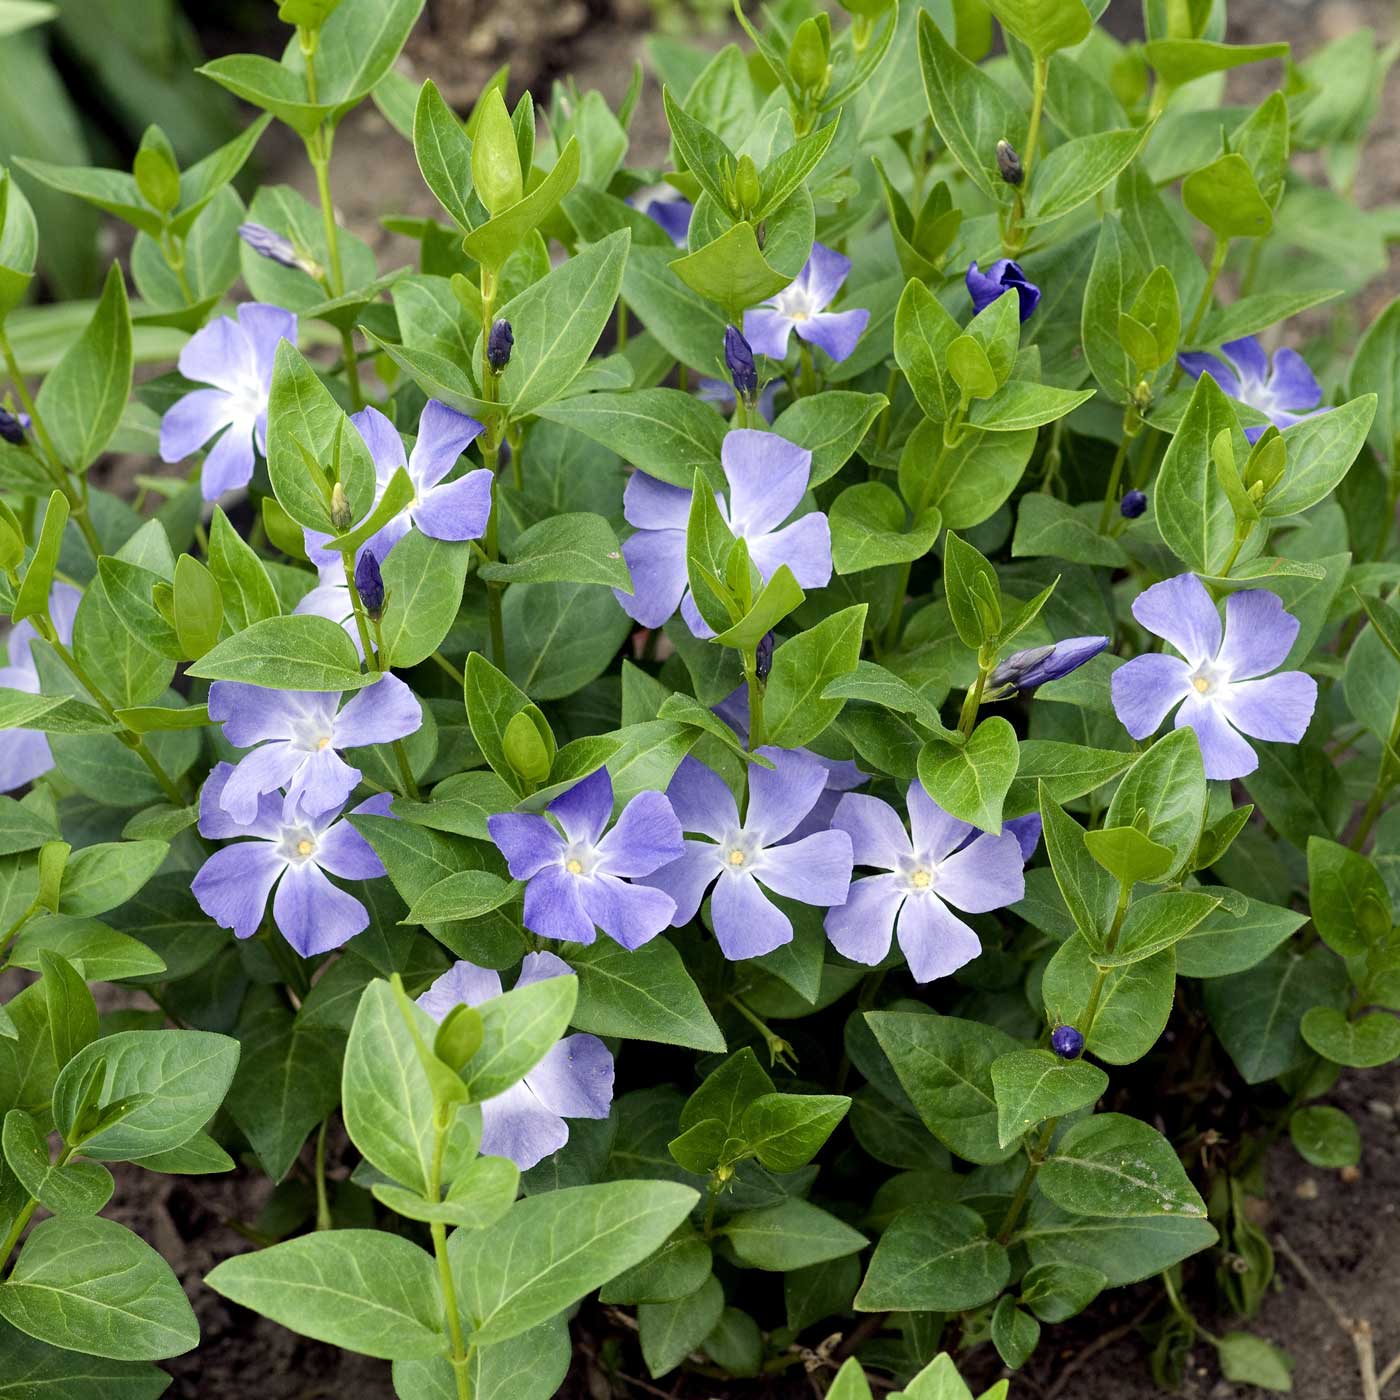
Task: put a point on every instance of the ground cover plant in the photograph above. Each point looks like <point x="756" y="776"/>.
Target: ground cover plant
<point x="798" y="748"/>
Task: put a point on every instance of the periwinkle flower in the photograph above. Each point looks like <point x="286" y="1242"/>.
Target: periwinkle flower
<point x="12" y="426"/>
<point x="674" y="216"/>
<point x="1133" y="504"/>
<point x="1285" y="391"/>
<point x="1067" y="1042"/>
<point x="235" y="358"/>
<point x="1222" y="685"/>
<point x="938" y="862"/>
<point x="369" y="584"/>
<point x="499" y="344"/>
<point x="292" y="852"/>
<point x="25" y="753"/>
<point x="1035" y="666"/>
<point x="581" y="880"/>
<point x="268" y="243"/>
<point x="801" y="307"/>
<point x="743" y="858"/>
<point x="299" y="734"/>
<point x="574" y="1079"/>
<point x="1001" y="277"/>
<point x="767" y="478"/>
<point x="738" y="359"/>
<point x="453" y="510"/>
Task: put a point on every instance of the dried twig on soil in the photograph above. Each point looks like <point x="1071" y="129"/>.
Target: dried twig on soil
<point x="1107" y="1339"/>
<point x="1358" y="1329"/>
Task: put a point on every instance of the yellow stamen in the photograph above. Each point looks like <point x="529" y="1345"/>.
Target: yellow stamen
<point x="1202" y="684"/>
<point x="574" y="867"/>
<point x="304" y="847"/>
<point x="922" y="879"/>
<point x="736" y="857"/>
<point x="323" y="742"/>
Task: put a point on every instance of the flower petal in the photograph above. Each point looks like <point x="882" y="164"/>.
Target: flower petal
<point x="1180" y="610"/>
<point x="233" y="884"/>
<point x="646" y="837"/>
<point x="935" y="833"/>
<point x="1224" y="752"/>
<point x="767" y="331"/>
<point x="527" y="841"/>
<point x="1146" y="689"/>
<point x="553" y="908"/>
<point x="218" y="824"/>
<point x="702" y="801"/>
<point x="987" y="874"/>
<point x="229" y="465"/>
<point x="877" y="833"/>
<point x="463" y="984"/>
<point x="220" y="354"/>
<point x="1197" y="362"/>
<point x="1277" y="708"/>
<point x="384" y="443"/>
<point x="314" y="915"/>
<point x="767" y="476"/>
<point x="458" y="510"/>
<point x="862" y="927"/>
<point x="934" y="941"/>
<point x="746" y="924"/>
<point x="779" y="797"/>
<point x="814" y="870"/>
<point x="24" y="756"/>
<point x="629" y="914"/>
<point x="691" y="613"/>
<point x="1250" y="362"/>
<point x="265" y="770"/>
<point x="649" y="504"/>
<point x="378" y="714"/>
<point x="1259" y="634"/>
<point x="518" y="1126"/>
<point x="836" y="332"/>
<point x="825" y="271"/>
<point x="265" y="326"/>
<point x="443" y="435"/>
<point x="341" y="850"/>
<point x="1292" y="383"/>
<point x="191" y="421"/>
<point x="584" y="809"/>
<point x="253" y="713"/>
<point x="804" y="546"/>
<point x="1026" y="830"/>
<point x="537" y="967"/>
<point x="656" y="561"/>
<point x="575" y="1078"/>
<point x="687" y="878"/>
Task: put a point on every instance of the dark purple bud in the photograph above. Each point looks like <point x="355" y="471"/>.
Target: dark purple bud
<point x="1003" y="276"/>
<point x="1009" y="163"/>
<point x="1133" y="504"/>
<point x="763" y="656"/>
<point x="268" y="244"/>
<point x="738" y="356"/>
<point x="369" y="584"/>
<point x="11" y="427"/>
<point x="499" y="345"/>
<point x="1066" y="1042"/>
<point x="1024" y="670"/>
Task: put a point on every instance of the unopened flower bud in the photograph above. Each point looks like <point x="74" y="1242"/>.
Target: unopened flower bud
<point x="269" y="244"/>
<point x="1067" y="1042"/>
<point x="12" y="428"/>
<point x="763" y="656"/>
<point x="369" y="584"/>
<point x="738" y="358"/>
<point x="499" y="344"/>
<point x="1039" y="665"/>
<point x="1133" y="505"/>
<point x="342" y="517"/>
<point x="746" y="183"/>
<point x="1142" y="396"/>
<point x="1009" y="163"/>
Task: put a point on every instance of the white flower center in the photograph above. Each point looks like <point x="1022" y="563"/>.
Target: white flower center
<point x="298" y="844"/>
<point x="740" y="853"/>
<point x="1208" y="680"/>
<point x="919" y="873"/>
<point x="795" y="305"/>
<point x="580" y="858"/>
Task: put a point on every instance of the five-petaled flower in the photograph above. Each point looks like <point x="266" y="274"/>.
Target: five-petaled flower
<point x="293" y="852"/>
<point x="574" y="1080"/>
<point x="767" y="479"/>
<point x="938" y="862"/>
<point x="236" y="358"/>
<point x="1223" y="685"/>
<point x="299" y="733"/>
<point x="25" y="753"/>
<point x="1285" y="392"/>
<point x="453" y="510"/>
<point x="801" y="307"/>
<point x="583" y="878"/>
<point x="1001" y="277"/>
<point x="743" y="858"/>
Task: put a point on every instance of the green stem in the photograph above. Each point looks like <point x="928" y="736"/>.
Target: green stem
<point x="893" y="626"/>
<point x="756" y="691"/>
<point x="1217" y="262"/>
<point x="972" y="702"/>
<point x="323" y="1206"/>
<point x="12" y="1239"/>
<point x="493" y="590"/>
<point x="352" y="369"/>
<point x="1384" y="782"/>
<point x="1034" y="1157"/>
<point x="460" y="1358"/>
<point x="807" y="384"/>
<point x="1042" y="78"/>
<point x="711" y="1201"/>
<point x="1115" y="475"/>
<point x="779" y="1050"/>
<point x="174" y="250"/>
<point x="13" y="931"/>
<point x="444" y="664"/>
<point x="1125" y="894"/>
<point x="347" y="559"/>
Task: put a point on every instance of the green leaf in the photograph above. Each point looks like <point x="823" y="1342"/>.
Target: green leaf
<point x="492" y="702"/>
<point x="364" y="1290"/>
<point x="1133" y="1004"/>
<point x="973" y="594"/>
<point x="1056" y="1292"/>
<point x="287" y="653"/>
<point x="1048" y="526"/>
<point x="1044" y="26"/>
<point x="1179" y="61"/>
<point x="100" y="953"/>
<point x="869" y="529"/>
<point x="492" y="242"/>
<point x="1363" y="1043"/>
<point x="644" y="994"/>
<point x="444" y="153"/>
<point x="796" y="709"/>
<point x="1159" y="921"/>
<point x="99" y="878"/>
<point x="32" y="600"/>
<point x="1164" y="793"/>
<point x="36" y="1371"/>
<point x="1320" y="456"/>
<point x="1113" y="1165"/>
<point x="786" y="1131"/>
<point x="830" y="425"/>
<point x="551" y="1249"/>
<point x="934" y="1258"/>
<point x="1125" y="1251"/>
<point x="792" y="1235"/>
<point x="1062" y="770"/>
<point x="670" y="1331"/>
<point x="479" y="1197"/>
<point x="1015" y="1333"/>
<point x="423" y="580"/>
<point x="674" y="1271"/>
<point x="466" y="895"/>
<point x="1325" y="1136"/>
<point x="562" y="635"/>
<point x="944" y="1064"/>
<point x="1250" y="1360"/>
<point x="1225" y="198"/>
<point x="970" y="781"/>
<point x="1224" y="943"/>
<point x="1350" y="904"/>
<point x="1033" y="1085"/>
<point x="77" y="1188"/>
<point x="1128" y="855"/>
<point x="88" y="1284"/>
<point x="520" y="1026"/>
<point x="1075" y="171"/>
<point x="732" y="271"/>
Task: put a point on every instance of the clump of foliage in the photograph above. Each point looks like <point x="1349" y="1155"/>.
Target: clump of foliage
<point x="632" y="757"/>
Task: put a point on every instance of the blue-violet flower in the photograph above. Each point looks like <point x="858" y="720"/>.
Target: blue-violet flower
<point x="25" y="753"/>
<point x="801" y="307"/>
<point x="1284" y="392"/>
<point x="1001" y="277"/>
